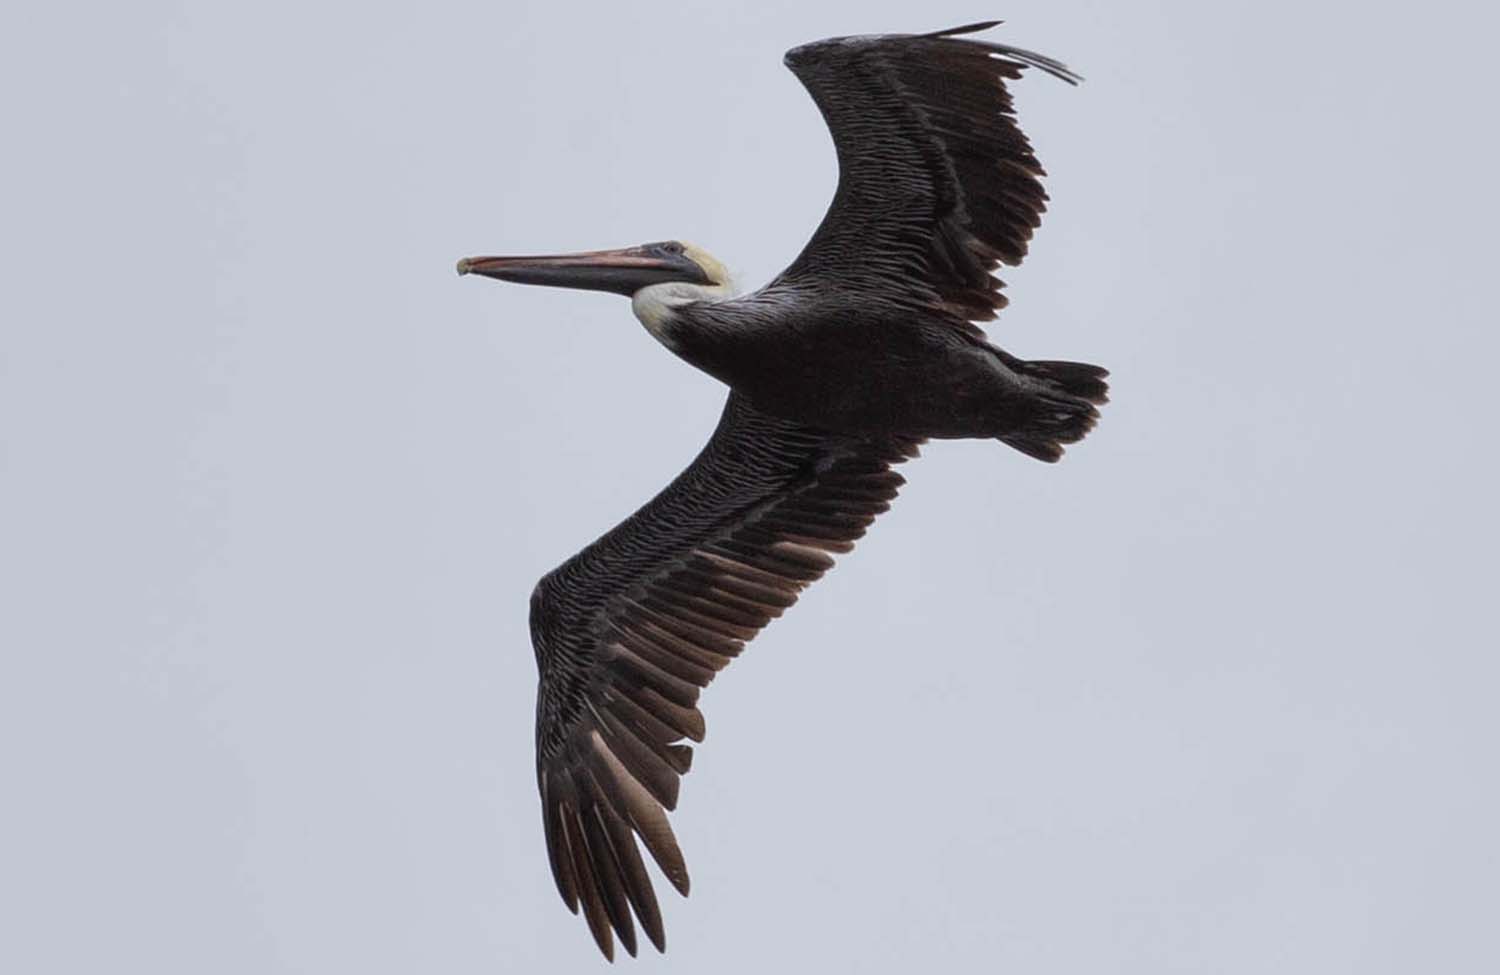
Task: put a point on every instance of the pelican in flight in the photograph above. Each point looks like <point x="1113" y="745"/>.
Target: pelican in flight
<point x="837" y="370"/>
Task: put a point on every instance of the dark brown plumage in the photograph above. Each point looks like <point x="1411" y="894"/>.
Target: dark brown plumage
<point x="864" y="347"/>
<point x="628" y="631"/>
<point x="937" y="184"/>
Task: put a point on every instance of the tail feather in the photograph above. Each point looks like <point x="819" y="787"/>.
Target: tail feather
<point x="1062" y="411"/>
<point x="1073" y="378"/>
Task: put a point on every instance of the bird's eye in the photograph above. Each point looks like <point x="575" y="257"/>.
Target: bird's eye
<point x="672" y="247"/>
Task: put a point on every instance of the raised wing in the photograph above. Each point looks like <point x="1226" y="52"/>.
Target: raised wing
<point x="628" y="631"/>
<point x="937" y="183"/>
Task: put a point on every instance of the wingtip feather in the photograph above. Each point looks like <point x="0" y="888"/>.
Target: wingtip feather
<point x="966" y="29"/>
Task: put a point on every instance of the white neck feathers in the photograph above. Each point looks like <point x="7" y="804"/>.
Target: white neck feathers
<point x="656" y="305"/>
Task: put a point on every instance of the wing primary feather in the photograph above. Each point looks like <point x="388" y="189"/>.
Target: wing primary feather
<point x="645" y="722"/>
<point x="588" y="891"/>
<point x="645" y="814"/>
<point x="607" y="871"/>
<point x="679" y="758"/>
<point x="1052" y="66"/>
<point x="633" y="875"/>
<point x="557" y="846"/>
<point x="688" y="720"/>
<point x="645" y="765"/>
<point x="965" y="29"/>
<point x="652" y="732"/>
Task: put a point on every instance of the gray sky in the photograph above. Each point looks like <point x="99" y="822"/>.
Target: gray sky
<point x="1215" y="694"/>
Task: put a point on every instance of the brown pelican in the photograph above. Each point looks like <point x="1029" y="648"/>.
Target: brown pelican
<point x="860" y="350"/>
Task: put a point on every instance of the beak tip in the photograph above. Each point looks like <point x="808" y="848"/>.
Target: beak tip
<point x="463" y="265"/>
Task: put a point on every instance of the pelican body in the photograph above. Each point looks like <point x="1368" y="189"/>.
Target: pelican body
<point x="865" y="346"/>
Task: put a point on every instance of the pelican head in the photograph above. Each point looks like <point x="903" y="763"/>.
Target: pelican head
<point x="658" y="278"/>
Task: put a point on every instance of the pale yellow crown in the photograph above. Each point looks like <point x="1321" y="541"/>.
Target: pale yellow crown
<point x="717" y="273"/>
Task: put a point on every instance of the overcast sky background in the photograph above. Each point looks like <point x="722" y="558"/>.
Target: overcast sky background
<point x="1217" y="693"/>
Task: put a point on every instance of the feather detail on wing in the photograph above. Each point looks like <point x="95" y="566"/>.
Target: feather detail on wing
<point x="632" y="628"/>
<point x="937" y="184"/>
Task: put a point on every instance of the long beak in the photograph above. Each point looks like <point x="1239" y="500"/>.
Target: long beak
<point x="624" y="271"/>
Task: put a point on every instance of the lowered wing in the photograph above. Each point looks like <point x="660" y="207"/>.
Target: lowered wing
<point x="629" y="630"/>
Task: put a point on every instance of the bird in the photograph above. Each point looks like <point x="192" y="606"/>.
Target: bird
<point x="865" y="347"/>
